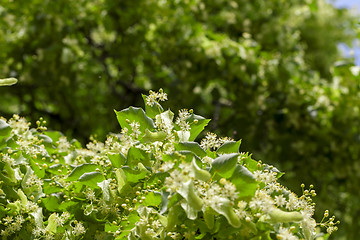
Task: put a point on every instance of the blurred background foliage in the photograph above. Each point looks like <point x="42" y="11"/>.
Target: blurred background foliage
<point x="267" y="72"/>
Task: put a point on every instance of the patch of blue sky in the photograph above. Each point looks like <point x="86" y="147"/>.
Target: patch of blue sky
<point x="346" y="3"/>
<point x="354" y="50"/>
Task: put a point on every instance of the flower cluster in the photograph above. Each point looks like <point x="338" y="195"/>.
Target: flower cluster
<point x="151" y="181"/>
<point x="155" y="97"/>
<point x="211" y="141"/>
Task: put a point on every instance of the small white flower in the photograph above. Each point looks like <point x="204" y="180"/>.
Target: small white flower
<point x="175" y="181"/>
<point x="63" y="144"/>
<point x="265" y="177"/>
<point x="155" y="96"/>
<point x="285" y="234"/>
<point x="78" y="229"/>
<point x="19" y="125"/>
<point x="166" y="166"/>
<point x="280" y="200"/>
<point x="210" y="141"/>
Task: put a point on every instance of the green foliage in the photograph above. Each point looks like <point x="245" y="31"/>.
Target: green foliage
<point x="265" y="69"/>
<point x="162" y="188"/>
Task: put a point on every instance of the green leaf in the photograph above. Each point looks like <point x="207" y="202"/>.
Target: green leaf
<point x="244" y="181"/>
<point x="273" y="169"/>
<point x="51" y="202"/>
<point x="46" y="139"/>
<point x="136" y="155"/>
<point x="191" y="146"/>
<point x="54" y="135"/>
<point x="66" y="205"/>
<point x="127" y="226"/>
<point x="176" y="216"/>
<point x="8" y="81"/>
<point x="193" y="202"/>
<point x="5" y="129"/>
<point x="10" y="172"/>
<point x="105" y="187"/>
<point x="14" y="207"/>
<point x="117" y="160"/>
<point x="52" y="223"/>
<point x="38" y="216"/>
<point x="225" y="164"/>
<point x="185" y="155"/>
<point x="174" y="199"/>
<point x="23" y="198"/>
<point x="38" y="170"/>
<point x="88" y="209"/>
<point x="91" y="179"/>
<point x="229" y="147"/>
<point x="134" y="175"/>
<point x="35" y="189"/>
<point x="156" y="178"/>
<point x="128" y="115"/>
<point x="121" y="179"/>
<point x="53" y="188"/>
<point x="78" y="171"/>
<point x="153" y="198"/>
<point x="5" y="179"/>
<point x="152" y="111"/>
<point x="109" y="227"/>
<point x="242" y="172"/>
<point x="190" y="210"/>
<point x="209" y="217"/>
<point x="251" y="164"/>
<point x="164" y="201"/>
<point x="224" y="207"/>
<point x="197" y="124"/>
<point x="200" y="173"/>
<point x="57" y="169"/>
<point x="211" y="154"/>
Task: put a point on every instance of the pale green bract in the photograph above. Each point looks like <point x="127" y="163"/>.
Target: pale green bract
<point x="8" y="81"/>
<point x="148" y="182"/>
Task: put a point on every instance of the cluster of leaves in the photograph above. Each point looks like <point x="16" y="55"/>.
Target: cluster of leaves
<point x="152" y="181"/>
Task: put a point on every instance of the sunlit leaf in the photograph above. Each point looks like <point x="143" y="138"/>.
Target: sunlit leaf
<point x="224" y="207"/>
<point x="91" y="179"/>
<point x="244" y="181"/>
<point x="229" y="147"/>
<point x="51" y="202"/>
<point x="152" y="199"/>
<point x="136" y="155"/>
<point x="117" y="159"/>
<point x="52" y="223"/>
<point x="193" y="202"/>
<point x="80" y="170"/>
<point x="197" y="124"/>
<point x="5" y="129"/>
<point x="199" y="173"/>
<point x="225" y="164"/>
<point x="131" y="114"/>
<point x="191" y="146"/>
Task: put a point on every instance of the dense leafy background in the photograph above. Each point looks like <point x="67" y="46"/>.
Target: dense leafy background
<point x="264" y="71"/>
